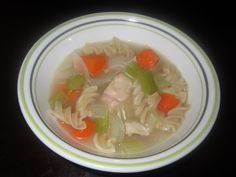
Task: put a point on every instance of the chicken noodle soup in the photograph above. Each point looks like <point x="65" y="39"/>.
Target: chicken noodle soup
<point x="121" y="97"/>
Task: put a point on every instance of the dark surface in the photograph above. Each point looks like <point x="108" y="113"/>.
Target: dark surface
<point x="211" y="26"/>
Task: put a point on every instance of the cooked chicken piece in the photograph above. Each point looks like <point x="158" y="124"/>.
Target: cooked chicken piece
<point x="118" y="90"/>
<point x="136" y="128"/>
<point x="109" y="100"/>
<point x="78" y="64"/>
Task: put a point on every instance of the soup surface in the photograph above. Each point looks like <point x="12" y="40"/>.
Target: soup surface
<point x="118" y="97"/>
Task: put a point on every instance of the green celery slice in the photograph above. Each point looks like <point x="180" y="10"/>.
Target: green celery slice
<point x="144" y="77"/>
<point x="132" y="70"/>
<point x="101" y="124"/>
<point x="147" y="82"/>
<point x="76" y="82"/>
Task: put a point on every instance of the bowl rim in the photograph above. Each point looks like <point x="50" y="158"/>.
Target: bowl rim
<point x="117" y="166"/>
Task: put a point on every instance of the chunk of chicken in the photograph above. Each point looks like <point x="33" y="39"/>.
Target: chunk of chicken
<point x="78" y="64"/>
<point x="118" y="90"/>
<point x="136" y="128"/>
<point x="110" y="101"/>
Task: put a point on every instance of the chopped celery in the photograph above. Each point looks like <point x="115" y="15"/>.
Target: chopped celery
<point x="76" y="82"/>
<point x="132" y="70"/>
<point x="147" y="82"/>
<point x="57" y="97"/>
<point x="144" y="77"/>
<point x="101" y="124"/>
<point x="132" y="146"/>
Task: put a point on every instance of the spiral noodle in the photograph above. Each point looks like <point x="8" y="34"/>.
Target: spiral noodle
<point x="98" y="48"/>
<point x="88" y="95"/>
<point x="178" y="85"/>
<point x="143" y="104"/>
<point x="122" y="48"/>
<point x="113" y="48"/>
<point x="66" y="115"/>
<point x="173" y="119"/>
<point x="103" y="143"/>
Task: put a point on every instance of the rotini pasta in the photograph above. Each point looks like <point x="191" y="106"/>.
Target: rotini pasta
<point x="122" y="48"/>
<point x="97" y="48"/>
<point x="143" y="104"/>
<point x="173" y="119"/>
<point x="136" y="128"/>
<point x="178" y="85"/>
<point x="87" y="97"/>
<point x="103" y="143"/>
<point x="116" y="47"/>
<point x="66" y="115"/>
<point x="178" y="112"/>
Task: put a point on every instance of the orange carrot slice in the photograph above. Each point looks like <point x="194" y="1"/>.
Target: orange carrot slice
<point x="168" y="101"/>
<point x="147" y="58"/>
<point x="80" y="134"/>
<point x="95" y="64"/>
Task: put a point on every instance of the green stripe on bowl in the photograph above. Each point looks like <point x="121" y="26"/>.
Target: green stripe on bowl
<point x="37" y="129"/>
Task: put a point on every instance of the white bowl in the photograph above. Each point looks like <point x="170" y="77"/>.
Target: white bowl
<point x="46" y="55"/>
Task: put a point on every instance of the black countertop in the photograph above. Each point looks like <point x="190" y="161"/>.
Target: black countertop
<point x="211" y="26"/>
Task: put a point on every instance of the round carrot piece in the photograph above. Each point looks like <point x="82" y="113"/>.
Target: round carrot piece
<point x="147" y="58"/>
<point x="168" y="101"/>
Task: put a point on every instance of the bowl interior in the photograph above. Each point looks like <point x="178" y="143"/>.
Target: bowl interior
<point x="61" y="45"/>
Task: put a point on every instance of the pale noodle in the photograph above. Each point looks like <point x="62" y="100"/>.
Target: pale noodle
<point x="143" y="104"/>
<point x="66" y="115"/>
<point x="103" y="143"/>
<point x="173" y="119"/>
<point x="88" y="96"/>
<point x="114" y="48"/>
<point x="178" y="85"/>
